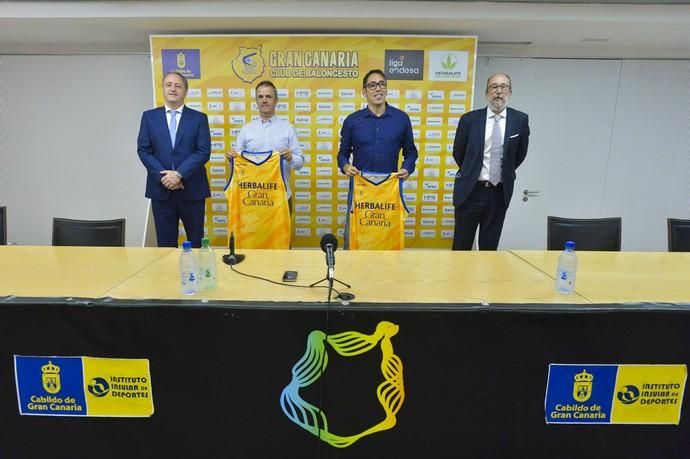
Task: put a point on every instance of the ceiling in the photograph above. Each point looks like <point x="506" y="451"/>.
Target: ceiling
<point x="614" y="28"/>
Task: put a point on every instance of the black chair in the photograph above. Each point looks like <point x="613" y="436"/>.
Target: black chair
<point x="109" y="233"/>
<point x="678" y="235"/>
<point x="3" y="225"/>
<point x="588" y="233"/>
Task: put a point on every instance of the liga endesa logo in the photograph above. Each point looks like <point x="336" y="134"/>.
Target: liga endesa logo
<point x="309" y="368"/>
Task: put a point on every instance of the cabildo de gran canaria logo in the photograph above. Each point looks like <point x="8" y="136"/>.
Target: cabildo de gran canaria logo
<point x="249" y="64"/>
<point x="50" y="376"/>
<point x="309" y="368"/>
<point x="582" y="387"/>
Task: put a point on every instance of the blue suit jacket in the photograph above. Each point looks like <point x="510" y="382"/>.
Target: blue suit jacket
<point x="468" y="151"/>
<point x="191" y="151"/>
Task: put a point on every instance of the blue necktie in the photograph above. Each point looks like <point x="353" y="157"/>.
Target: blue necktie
<point x="173" y="126"/>
<point x="496" y="152"/>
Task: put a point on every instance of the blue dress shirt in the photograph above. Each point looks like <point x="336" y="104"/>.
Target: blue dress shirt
<point x="375" y="141"/>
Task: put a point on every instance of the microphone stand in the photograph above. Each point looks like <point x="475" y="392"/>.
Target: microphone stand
<point x="330" y="289"/>
<point x="329" y="244"/>
<point x="330" y="279"/>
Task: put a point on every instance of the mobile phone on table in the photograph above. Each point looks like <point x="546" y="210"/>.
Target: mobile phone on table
<point x="290" y="276"/>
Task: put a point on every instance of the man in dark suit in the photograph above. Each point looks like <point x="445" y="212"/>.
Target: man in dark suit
<point x="174" y="144"/>
<point x="490" y="144"/>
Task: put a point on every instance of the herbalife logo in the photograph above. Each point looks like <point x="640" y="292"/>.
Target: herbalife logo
<point x="448" y="65"/>
<point x="449" y="62"/>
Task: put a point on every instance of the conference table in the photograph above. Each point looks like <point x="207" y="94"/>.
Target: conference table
<point x="474" y="334"/>
<point x="623" y="277"/>
<point x="396" y="277"/>
<point x="414" y="276"/>
<point x="380" y="277"/>
<point x="40" y="271"/>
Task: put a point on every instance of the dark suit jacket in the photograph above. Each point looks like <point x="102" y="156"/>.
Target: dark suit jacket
<point x="468" y="151"/>
<point x="191" y="151"/>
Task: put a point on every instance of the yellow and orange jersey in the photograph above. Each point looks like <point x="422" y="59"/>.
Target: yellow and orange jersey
<point x="377" y="212"/>
<point x="258" y="210"/>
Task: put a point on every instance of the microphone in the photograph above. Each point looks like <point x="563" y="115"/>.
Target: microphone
<point x="329" y="244"/>
<point x="234" y="258"/>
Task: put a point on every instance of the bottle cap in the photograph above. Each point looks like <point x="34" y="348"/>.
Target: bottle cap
<point x="205" y="242"/>
<point x="570" y="245"/>
<point x="186" y="245"/>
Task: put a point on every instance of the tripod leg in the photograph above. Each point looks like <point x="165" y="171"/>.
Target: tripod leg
<point x="342" y="283"/>
<point x="318" y="282"/>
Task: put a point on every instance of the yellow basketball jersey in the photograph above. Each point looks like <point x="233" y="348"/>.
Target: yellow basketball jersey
<point x="377" y="212"/>
<point x="258" y="211"/>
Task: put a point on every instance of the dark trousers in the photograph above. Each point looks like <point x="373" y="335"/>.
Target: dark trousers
<point x="168" y="213"/>
<point x="485" y="207"/>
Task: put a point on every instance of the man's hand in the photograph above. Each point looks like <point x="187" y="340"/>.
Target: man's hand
<point x="172" y="180"/>
<point x="403" y="174"/>
<point x="286" y="154"/>
<point x="232" y="153"/>
<point x="350" y="170"/>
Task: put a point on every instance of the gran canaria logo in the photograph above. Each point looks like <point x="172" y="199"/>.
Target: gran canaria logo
<point x="51" y="378"/>
<point x="582" y="386"/>
<point x="309" y="368"/>
<point x="249" y="64"/>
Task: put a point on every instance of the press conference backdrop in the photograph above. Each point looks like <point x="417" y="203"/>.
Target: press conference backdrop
<point x="69" y="147"/>
<point x="319" y="81"/>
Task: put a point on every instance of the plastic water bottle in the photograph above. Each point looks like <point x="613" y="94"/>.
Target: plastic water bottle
<point x="207" y="266"/>
<point x="189" y="271"/>
<point x="566" y="271"/>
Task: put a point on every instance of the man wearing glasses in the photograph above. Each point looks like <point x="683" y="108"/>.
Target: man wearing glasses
<point x="490" y="143"/>
<point x="374" y="135"/>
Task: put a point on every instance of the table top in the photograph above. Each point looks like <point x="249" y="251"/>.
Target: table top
<point x="390" y="277"/>
<point x="623" y="277"/>
<point x="422" y="276"/>
<point x="89" y="272"/>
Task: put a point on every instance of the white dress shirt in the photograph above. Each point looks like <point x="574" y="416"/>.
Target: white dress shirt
<point x="168" y="116"/>
<point x="484" y="174"/>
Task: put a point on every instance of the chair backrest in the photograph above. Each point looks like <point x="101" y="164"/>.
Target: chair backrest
<point x="3" y="225"/>
<point x="89" y="232"/>
<point x="588" y="233"/>
<point x="678" y="235"/>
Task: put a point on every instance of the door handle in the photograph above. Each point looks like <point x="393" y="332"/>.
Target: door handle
<point x="526" y="194"/>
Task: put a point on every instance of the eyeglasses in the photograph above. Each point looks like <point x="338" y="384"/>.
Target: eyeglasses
<point x="376" y="84"/>
<point x="502" y="87"/>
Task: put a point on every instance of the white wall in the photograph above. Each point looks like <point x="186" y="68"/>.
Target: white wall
<point x="613" y="133"/>
<point x="610" y="137"/>
<point x="68" y="129"/>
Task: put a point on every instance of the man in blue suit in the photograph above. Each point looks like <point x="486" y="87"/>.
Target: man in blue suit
<point x="174" y="144"/>
<point x="490" y="144"/>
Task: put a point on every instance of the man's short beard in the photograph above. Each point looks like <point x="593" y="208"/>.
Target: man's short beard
<point x="498" y="104"/>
